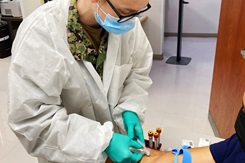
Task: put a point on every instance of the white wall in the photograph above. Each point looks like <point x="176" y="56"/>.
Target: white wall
<point x="200" y="16"/>
<point x="27" y="6"/>
<point x="154" y="26"/>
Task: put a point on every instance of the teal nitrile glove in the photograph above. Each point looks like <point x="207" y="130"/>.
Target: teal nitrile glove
<point x="132" y="126"/>
<point x="118" y="149"/>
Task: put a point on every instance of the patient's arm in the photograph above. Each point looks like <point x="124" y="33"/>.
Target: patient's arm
<point x="199" y="155"/>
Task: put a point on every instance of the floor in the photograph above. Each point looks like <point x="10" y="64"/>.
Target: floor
<point x="179" y="96"/>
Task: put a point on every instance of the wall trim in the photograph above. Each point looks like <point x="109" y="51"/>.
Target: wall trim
<point x="169" y="34"/>
<point x="213" y="125"/>
<point x="157" y="56"/>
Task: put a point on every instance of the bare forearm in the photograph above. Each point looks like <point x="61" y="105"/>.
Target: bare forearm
<point x="199" y="155"/>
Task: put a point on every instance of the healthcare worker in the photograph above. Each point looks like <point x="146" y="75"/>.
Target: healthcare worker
<point x="78" y="78"/>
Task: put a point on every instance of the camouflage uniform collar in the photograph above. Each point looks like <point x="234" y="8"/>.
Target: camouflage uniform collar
<point x="80" y="45"/>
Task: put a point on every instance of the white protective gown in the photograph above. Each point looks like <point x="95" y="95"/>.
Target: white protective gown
<point x="58" y="107"/>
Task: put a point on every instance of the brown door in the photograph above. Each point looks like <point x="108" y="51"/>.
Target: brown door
<point x="228" y="83"/>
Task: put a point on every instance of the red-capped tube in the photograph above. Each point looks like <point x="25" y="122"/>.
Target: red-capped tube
<point x="159" y="130"/>
<point x="150" y="135"/>
<point x="156" y="140"/>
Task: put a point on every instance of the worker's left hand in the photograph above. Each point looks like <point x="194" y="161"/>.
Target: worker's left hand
<point x="118" y="149"/>
<point x="133" y="126"/>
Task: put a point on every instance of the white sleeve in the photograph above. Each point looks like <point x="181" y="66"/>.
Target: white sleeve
<point x="135" y="96"/>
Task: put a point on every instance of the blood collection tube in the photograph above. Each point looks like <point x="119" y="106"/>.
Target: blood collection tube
<point x="150" y="135"/>
<point x="159" y="130"/>
<point x="156" y="139"/>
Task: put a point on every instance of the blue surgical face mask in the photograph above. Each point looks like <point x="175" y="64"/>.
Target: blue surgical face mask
<point x="110" y="23"/>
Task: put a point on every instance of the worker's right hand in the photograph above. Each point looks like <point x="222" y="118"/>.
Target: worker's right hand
<point x="118" y="149"/>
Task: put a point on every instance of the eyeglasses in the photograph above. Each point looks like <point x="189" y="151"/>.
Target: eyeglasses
<point x="126" y="18"/>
